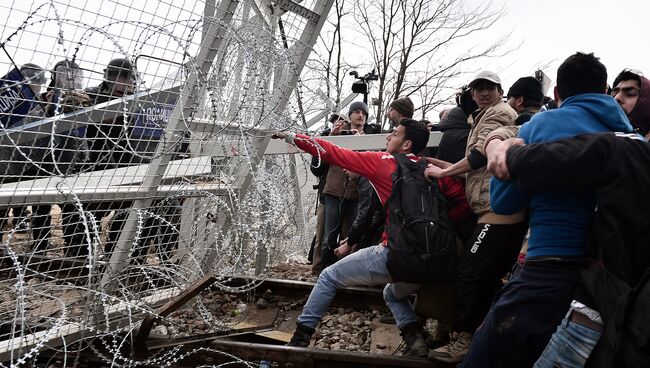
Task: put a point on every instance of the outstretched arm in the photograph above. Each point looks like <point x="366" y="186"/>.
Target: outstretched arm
<point x="376" y="166"/>
<point x="362" y="163"/>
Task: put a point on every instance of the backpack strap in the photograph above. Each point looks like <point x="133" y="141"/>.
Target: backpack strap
<point x="402" y="164"/>
<point x="400" y="159"/>
<point x="438" y="194"/>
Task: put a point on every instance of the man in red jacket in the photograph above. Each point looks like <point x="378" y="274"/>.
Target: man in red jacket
<point x="368" y="266"/>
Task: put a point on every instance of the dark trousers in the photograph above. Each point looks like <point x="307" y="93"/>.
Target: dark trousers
<point x="488" y="255"/>
<point x="338" y="215"/>
<point x="76" y="243"/>
<point x="316" y="264"/>
<point x="40" y="221"/>
<point x="158" y="225"/>
<point x="161" y="224"/>
<point x="41" y="227"/>
<point x="524" y="316"/>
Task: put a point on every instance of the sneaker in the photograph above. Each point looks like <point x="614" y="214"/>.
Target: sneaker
<point x="455" y="351"/>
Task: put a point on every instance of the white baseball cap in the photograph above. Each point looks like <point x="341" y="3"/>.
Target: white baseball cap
<point x="487" y="75"/>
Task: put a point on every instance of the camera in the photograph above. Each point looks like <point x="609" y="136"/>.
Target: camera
<point x="362" y="85"/>
<point x="335" y="117"/>
<point x="372" y="128"/>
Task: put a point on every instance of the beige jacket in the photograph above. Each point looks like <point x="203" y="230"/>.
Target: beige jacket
<point x="497" y="115"/>
<point x="502" y="134"/>
<point x="340" y="185"/>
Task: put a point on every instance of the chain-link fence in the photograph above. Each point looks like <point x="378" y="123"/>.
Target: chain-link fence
<point x="132" y="141"/>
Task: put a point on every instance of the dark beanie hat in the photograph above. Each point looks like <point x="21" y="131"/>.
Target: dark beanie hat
<point x="119" y="67"/>
<point x="358" y="105"/>
<point x="404" y="106"/>
<point x="527" y="87"/>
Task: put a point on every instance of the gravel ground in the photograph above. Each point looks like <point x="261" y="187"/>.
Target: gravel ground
<point x="344" y="329"/>
<point x="292" y="271"/>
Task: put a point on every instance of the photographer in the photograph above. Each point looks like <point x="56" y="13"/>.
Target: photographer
<point x="340" y="192"/>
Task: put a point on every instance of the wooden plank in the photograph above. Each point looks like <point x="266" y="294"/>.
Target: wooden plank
<point x="70" y="332"/>
<point x="305" y="357"/>
<point x="224" y="140"/>
<point x="254" y="317"/>
<point x="140" y="341"/>
<point x="384" y="338"/>
<point x="281" y="336"/>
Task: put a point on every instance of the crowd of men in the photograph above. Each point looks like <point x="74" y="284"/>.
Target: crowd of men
<point x="554" y="188"/>
<point x="105" y="144"/>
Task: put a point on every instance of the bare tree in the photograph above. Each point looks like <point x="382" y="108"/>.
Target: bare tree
<point x="379" y="21"/>
<point x="436" y="92"/>
<point x="327" y="64"/>
<point x="420" y="46"/>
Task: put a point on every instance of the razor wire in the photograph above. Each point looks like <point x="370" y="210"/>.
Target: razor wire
<point x="74" y="156"/>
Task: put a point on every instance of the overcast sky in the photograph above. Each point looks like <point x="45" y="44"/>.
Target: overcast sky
<point x="551" y="30"/>
<point x="544" y="33"/>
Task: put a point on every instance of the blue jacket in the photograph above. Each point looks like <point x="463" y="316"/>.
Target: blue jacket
<point x="559" y="223"/>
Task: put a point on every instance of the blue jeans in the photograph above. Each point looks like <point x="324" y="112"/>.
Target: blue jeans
<point x="365" y="267"/>
<point x="570" y="346"/>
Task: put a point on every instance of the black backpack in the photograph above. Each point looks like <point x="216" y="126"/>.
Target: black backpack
<point x="421" y="240"/>
<point x="625" y="310"/>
